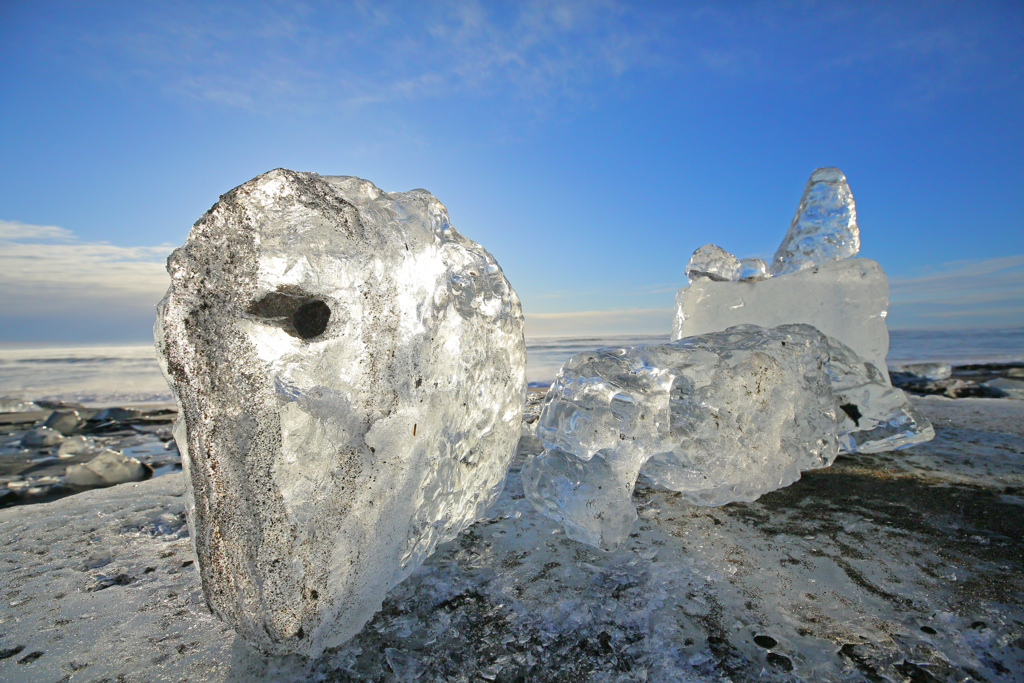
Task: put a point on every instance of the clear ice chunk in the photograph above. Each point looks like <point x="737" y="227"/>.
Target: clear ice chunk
<point x="719" y="417"/>
<point x="846" y="300"/>
<point x="714" y="263"/>
<point x="824" y="228"/>
<point x="932" y="371"/>
<point x="873" y="415"/>
<point x="350" y="374"/>
<point x="106" y="469"/>
<point x="753" y="268"/>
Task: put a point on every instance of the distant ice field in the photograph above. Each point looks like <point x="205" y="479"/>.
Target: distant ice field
<point x="126" y="375"/>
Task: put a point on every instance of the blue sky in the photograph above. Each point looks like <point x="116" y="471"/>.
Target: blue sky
<point x="590" y="146"/>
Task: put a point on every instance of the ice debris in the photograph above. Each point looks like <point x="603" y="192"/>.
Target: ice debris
<point x="824" y="228"/>
<point x="718" y="417"/>
<point x="773" y="371"/>
<point x="41" y="437"/>
<point x="350" y="373"/>
<point x="107" y="469"/>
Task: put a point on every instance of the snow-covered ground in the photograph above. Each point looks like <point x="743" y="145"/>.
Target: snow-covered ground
<point x="893" y="566"/>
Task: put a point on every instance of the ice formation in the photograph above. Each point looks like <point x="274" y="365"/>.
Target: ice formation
<point x="873" y="415"/>
<point x="350" y="373"/>
<point x="816" y="279"/>
<point x="846" y="300"/>
<point x="713" y="262"/>
<point x="718" y="417"/>
<point x="773" y="371"/>
<point x="824" y="228"/>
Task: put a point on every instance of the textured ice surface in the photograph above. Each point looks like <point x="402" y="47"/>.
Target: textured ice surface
<point x="844" y="299"/>
<point x="350" y="373"/>
<point x="824" y="228"/>
<point x="713" y="262"/>
<point x="932" y="371"/>
<point x="873" y="415"/>
<point x="753" y="268"/>
<point x="719" y="417"/>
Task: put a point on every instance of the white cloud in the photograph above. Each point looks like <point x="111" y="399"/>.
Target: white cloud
<point x="13" y="230"/>
<point x="966" y="293"/>
<point x="46" y="271"/>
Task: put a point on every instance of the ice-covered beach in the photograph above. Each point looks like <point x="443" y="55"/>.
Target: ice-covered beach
<point x="894" y="566"/>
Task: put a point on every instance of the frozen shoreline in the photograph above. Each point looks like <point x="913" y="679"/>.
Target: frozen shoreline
<point x="897" y="565"/>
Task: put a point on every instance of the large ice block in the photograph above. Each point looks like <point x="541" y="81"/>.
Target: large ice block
<point x="719" y="417"/>
<point x="824" y="228"/>
<point x="350" y="374"/>
<point x="844" y="299"/>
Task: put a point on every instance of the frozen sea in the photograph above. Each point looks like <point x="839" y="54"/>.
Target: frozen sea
<point x="129" y="375"/>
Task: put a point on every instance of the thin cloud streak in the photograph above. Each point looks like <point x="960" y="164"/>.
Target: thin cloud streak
<point x="978" y="292"/>
<point x="325" y="58"/>
<point x="68" y="277"/>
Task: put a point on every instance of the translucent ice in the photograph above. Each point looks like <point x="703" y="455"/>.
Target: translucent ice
<point x="753" y="269"/>
<point x="718" y="417"/>
<point x="713" y="262"/>
<point x="873" y="415"/>
<point x="350" y="373"/>
<point x="107" y="469"/>
<point x="824" y="228"/>
<point x="844" y="299"/>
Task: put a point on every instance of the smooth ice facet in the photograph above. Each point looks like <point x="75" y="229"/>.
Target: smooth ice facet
<point x="718" y="417"/>
<point x="824" y="228"/>
<point x="846" y="300"/>
<point x="350" y="373"/>
<point x="714" y="263"/>
<point x="753" y="268"/>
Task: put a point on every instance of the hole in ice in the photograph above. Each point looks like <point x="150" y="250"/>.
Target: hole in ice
<point x="294" y="311"/>
<point x="781" y="661"/>
<point x="767" y="642"/>
<point x="311" y="318"/>
<point x="853" y="412"/>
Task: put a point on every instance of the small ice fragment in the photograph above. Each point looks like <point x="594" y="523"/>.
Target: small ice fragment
<point x="406" y="666"/>
<point x="77" y="445"/>
<point x="824" y="228"/>
<point x="932" y="371"/>
<point x="10" y="404"/>
<point x="714" y="263"/>
<point x="64" y="421"/>
<point x="107" y="469"/>
<point x="752" y="268"/>
<point x="41" y="437"/>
